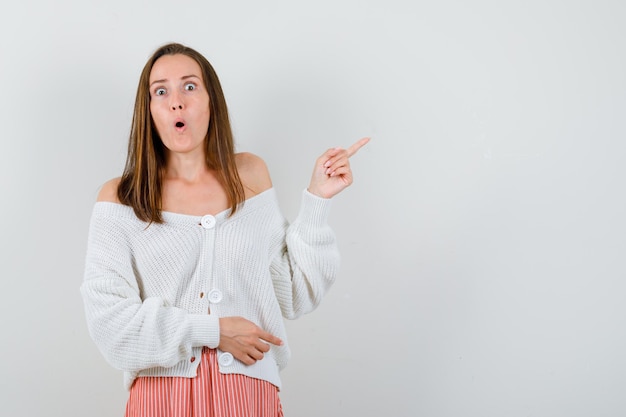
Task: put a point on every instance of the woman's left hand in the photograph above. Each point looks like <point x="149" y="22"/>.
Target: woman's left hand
<point x="332" y="171"/>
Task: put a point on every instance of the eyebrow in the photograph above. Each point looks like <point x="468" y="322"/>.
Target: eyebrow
<point x="182" y="78"/>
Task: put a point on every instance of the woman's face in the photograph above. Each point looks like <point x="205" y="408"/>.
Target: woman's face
<point x="179" y="103"/>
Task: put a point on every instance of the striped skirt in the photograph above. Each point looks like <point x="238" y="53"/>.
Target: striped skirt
<point x="209" y="394"/>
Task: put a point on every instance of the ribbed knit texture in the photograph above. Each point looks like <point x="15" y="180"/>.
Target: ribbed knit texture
<point x="146" y="288"/>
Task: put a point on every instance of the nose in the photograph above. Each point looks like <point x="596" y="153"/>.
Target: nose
<point x="176" y="102"/>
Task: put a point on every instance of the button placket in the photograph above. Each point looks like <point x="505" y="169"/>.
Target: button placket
<point x="207" y="222"/>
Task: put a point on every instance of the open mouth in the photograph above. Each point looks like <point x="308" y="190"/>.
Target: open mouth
<point x="180" y="124"/>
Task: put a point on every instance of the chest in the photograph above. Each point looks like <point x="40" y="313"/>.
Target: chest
<point x="194" y="199"/>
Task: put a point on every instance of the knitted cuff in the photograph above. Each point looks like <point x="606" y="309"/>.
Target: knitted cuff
<point x="205" y="330"/>
<point x="314" y="210"/>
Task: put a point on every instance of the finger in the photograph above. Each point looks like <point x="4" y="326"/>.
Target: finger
<point x="262" y="346"/>
<point x="270" y="338"/>
<point x="335" y="164"/>
<point x="356" y="146"/>
<point x="339" y="169"/>
<point x="255" y="354"/>
<point x="327" y="156"/>
<point x="247" y="359"/>
<point x="344" y="172"/>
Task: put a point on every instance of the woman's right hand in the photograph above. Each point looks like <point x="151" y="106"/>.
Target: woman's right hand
<point x="245" y="340"/>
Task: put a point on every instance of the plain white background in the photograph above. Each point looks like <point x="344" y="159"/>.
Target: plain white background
<point x="483" y="240"/>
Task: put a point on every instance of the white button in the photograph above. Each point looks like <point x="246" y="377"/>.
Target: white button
<point x="208" y="221"/>
<point x="226" y="359"/>
<point x="215" y="296"/>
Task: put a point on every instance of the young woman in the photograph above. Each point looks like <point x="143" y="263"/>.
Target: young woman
<point x="190" y="265"/>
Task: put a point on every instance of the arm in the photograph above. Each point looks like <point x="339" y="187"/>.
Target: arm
<point x="306" y="257"/>
<point x="134" y="334"/>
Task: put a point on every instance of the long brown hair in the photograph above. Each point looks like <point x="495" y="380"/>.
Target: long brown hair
<point x="140" y="186"/>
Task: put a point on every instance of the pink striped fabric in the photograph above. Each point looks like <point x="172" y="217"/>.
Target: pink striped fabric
<point x="209" y="394"/>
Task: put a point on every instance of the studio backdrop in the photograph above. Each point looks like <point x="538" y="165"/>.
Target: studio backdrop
<point x="482" y="241"/>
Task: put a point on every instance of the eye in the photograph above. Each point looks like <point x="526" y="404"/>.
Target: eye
<point x="190" y="86"/>
<point x="159" y="91"/>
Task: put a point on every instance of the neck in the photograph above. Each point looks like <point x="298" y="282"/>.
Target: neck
<point x="187" y="167"/>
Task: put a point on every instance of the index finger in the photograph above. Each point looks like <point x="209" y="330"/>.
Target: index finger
<point x="356" y="146"/>
<point x="270" y="338"/>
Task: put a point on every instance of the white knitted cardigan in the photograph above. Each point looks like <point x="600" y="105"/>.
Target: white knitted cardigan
<point x="148" y="290"/>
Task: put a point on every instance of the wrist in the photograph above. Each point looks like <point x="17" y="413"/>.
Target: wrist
<point x="318" y="193"/>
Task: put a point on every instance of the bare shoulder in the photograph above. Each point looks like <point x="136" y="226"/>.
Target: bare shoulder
<point x="253" y="173"/>
<point x="108" y="191"/>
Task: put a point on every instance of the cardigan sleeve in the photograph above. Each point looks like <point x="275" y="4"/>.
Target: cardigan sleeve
<point x="305" y="258"/>
<point x="134" y="334"/>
